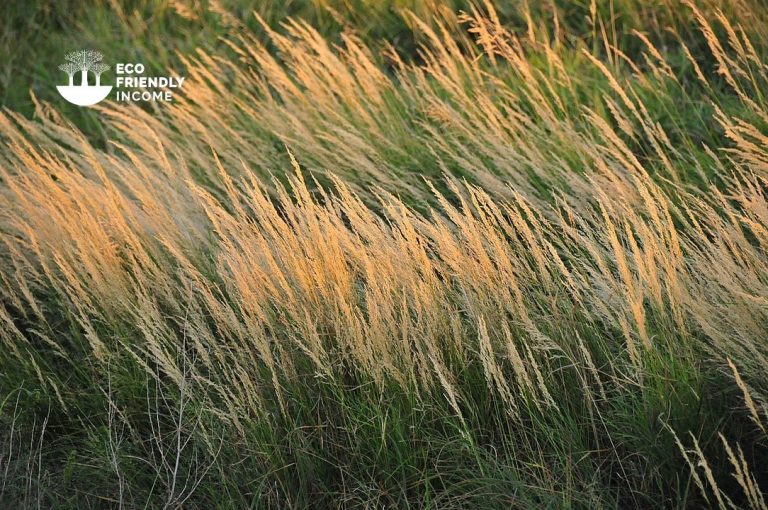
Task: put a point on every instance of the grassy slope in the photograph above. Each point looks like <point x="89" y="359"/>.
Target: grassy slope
<point x="573" y="316"/>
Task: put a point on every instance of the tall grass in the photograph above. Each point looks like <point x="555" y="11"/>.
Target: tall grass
<point x="523" y="269"/>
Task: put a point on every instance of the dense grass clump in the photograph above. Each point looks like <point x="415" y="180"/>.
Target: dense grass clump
<point x="406" y="254"/>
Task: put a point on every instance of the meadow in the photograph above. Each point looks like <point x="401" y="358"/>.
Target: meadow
<point x="399" y="254"/>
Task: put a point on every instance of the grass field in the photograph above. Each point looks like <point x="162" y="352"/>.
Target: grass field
<point x="398" y="254"/>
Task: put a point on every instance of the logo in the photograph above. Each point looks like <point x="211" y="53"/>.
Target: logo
<point x="131" y="84"/>
<point x="84" y="62"/>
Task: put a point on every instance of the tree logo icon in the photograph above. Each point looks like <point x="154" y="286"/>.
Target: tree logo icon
<point x="83" y="62"/>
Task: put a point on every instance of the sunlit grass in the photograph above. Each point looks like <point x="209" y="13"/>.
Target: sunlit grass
<point x="525" y="265"/>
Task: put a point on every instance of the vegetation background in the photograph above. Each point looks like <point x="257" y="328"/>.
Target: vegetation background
<point x="404" y="253"/>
